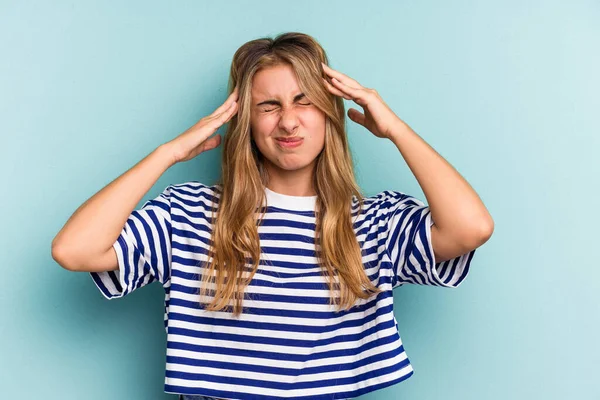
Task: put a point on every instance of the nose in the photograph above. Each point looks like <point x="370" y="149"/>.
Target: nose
<point x="289" y="120"/>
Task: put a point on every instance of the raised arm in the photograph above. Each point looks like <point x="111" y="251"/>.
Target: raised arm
<point x="85" y="242"/>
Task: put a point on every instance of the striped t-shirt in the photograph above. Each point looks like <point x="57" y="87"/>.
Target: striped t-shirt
<point x="289" y="343"/>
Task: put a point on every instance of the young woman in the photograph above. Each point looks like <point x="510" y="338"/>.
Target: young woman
<point x="309" y="314"/>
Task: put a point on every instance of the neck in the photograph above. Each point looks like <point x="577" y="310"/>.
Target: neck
<point x="292" y="183"/>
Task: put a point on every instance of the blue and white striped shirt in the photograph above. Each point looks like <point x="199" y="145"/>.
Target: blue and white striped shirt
<point x="289" y="342"/>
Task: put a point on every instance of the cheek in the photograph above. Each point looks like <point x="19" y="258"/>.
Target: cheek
<point x="259" y="128"/>
<point x="263" y="125"/>
<point x="314" y="123"/>
<point x="314" y="120"/>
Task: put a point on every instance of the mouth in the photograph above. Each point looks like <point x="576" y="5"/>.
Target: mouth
<point x="289" y="142"/>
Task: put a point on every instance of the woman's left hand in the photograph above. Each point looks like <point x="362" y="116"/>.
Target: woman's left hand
<point x="377" y="118"/>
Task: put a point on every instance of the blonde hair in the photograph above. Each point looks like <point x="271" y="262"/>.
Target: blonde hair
<point x="235" y="235"/>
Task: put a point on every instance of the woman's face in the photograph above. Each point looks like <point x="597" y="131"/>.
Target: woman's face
<point x="280" y="111"/>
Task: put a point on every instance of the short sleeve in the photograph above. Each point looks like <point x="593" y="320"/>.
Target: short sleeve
<point x="409" y="247"/>
<point x="143" y="250"/>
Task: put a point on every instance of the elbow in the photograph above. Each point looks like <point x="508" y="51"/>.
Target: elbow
<point x="487" y="228"/>
<point x="59" y="254"/>
<point x="478" y="234"/>
<point x="483" y="232"/>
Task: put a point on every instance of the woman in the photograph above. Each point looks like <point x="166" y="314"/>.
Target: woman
<point x="310" y="313"/>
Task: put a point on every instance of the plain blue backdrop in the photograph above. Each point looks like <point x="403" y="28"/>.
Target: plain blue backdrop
<point x="506" y="91"/>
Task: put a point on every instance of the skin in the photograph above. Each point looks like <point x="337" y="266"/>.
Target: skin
<point x="276" y="112"/>
<point x="461" y="220"/>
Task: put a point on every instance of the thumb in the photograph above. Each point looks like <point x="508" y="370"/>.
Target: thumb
<point x="211" y="143"/>
<point x="356" y="116"/>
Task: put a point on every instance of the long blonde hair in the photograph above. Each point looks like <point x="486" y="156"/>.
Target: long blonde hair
<point x="235" y="238"/>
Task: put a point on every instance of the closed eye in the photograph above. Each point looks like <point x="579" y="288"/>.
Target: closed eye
<point x="302" y="104"/>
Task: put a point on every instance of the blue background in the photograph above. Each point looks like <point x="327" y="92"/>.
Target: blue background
<point x="506" y="91"/>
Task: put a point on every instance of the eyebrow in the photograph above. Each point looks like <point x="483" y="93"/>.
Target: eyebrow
<point x="277" y="103"/>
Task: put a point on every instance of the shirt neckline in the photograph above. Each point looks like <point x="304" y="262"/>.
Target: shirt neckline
<point x="287" y="202"/>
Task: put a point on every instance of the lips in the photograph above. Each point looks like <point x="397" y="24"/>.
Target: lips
<point x="289" y="142"/>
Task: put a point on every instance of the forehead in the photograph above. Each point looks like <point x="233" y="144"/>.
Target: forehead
<point x="272" y="82"/>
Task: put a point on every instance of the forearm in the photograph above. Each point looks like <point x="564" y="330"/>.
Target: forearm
<point x="455" y="207"/>
<point x="97" y="223"/>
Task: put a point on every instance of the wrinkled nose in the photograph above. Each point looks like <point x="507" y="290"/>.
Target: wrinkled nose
<point x="288" y="121"/>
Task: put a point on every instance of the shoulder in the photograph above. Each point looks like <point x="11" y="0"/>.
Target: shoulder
<point x="387" y="201"/>
<point x="195" y="193"/>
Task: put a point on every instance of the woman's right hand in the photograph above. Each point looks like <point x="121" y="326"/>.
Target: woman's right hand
<point x="196" y="140"/>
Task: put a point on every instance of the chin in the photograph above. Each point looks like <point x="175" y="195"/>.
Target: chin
<point x="291" y="166"/>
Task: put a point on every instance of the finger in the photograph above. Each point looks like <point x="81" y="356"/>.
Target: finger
<point x="336" y="91"/>
<point x="228" y="114"/>
<point x="356" y="94"/>
<point x="232" y="97"/>
<point x="356" y="116"/>
<point x="215" y="121"/>
<point x="341" y="77"/>
<point x="207" y="144"/>
<point x="211" y="143"/>
<point x="232" y="111"/>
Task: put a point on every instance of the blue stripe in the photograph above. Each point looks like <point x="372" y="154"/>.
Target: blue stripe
<point x="269" y="350"/>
